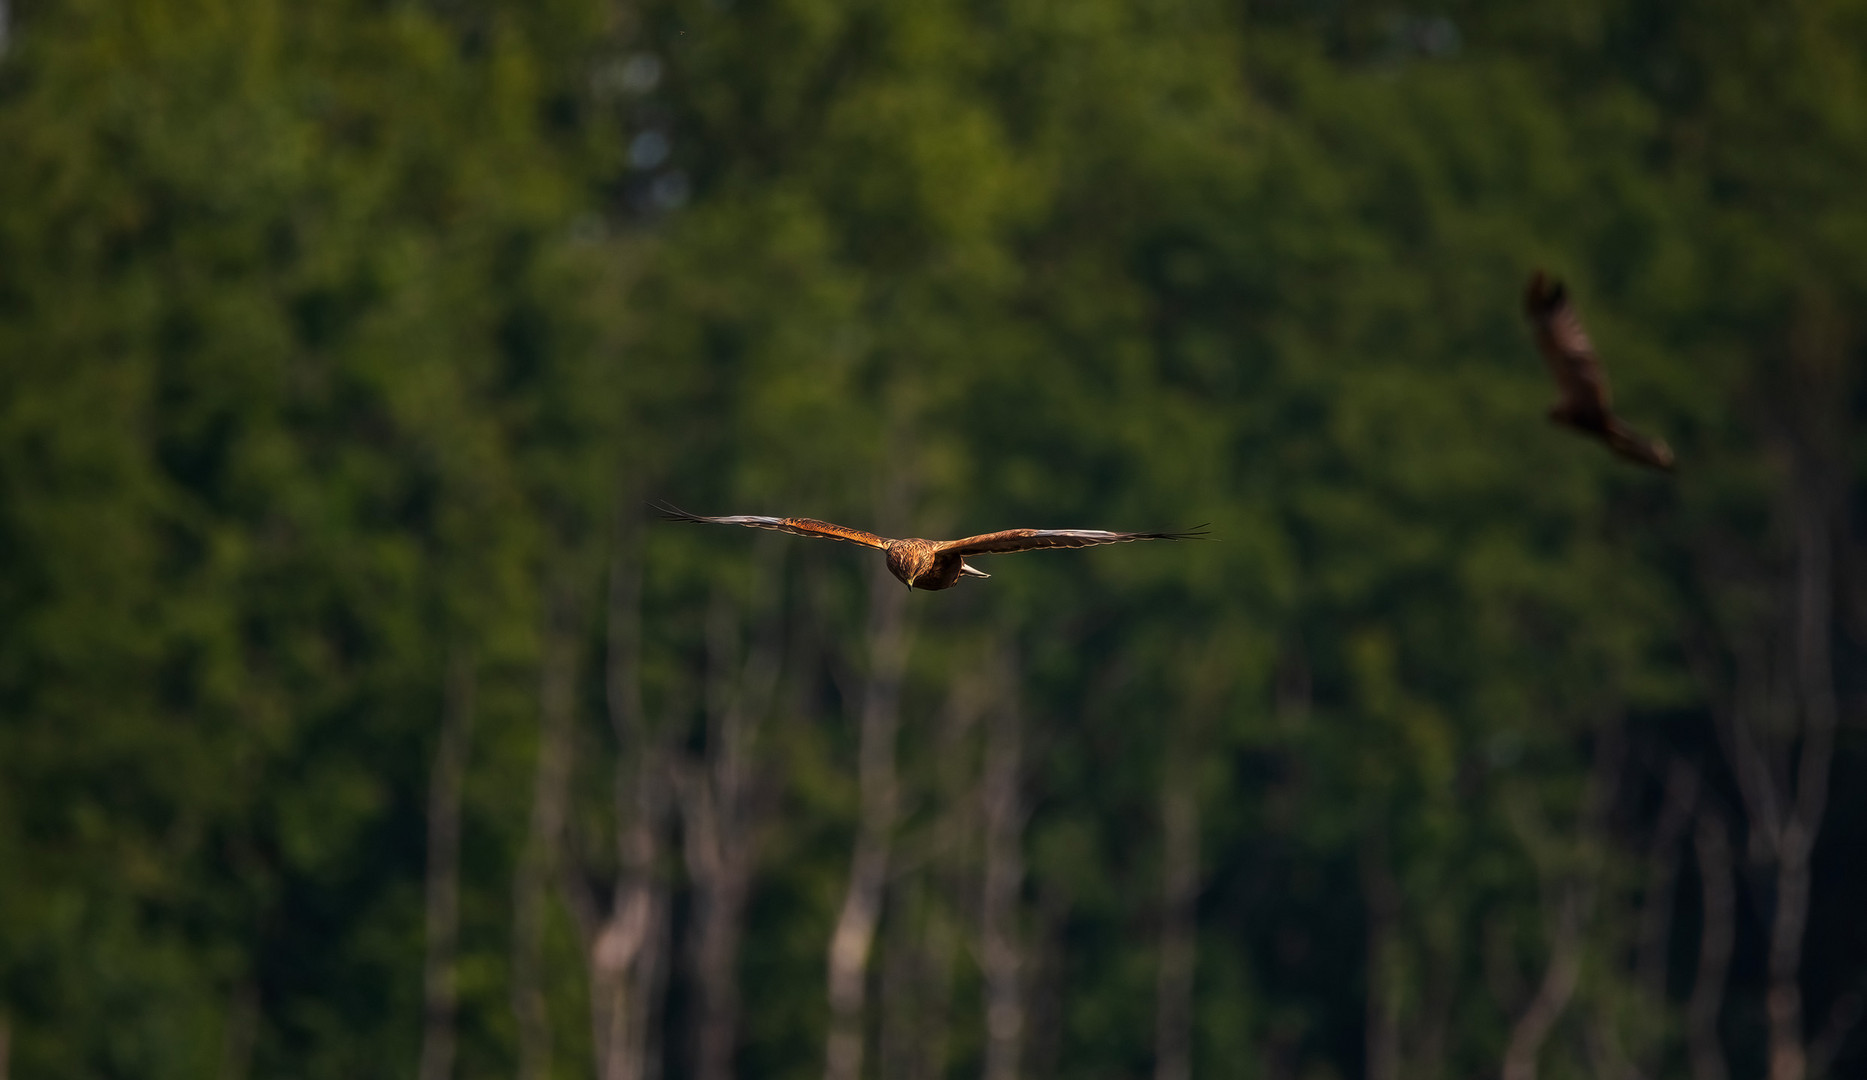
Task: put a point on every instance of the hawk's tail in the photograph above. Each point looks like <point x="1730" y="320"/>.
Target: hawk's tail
<point x="1638" y="448"/>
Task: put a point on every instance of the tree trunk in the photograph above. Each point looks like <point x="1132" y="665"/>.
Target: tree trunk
<point x="1714" y="949"/>
<point x="1815" y="689"/>
<point x="848" y="957"/>
<point x="924" y="938"/>
<point x="1050" y="968"/>
<point x="1575" y="899"/>
<point x="1383" y="1011"/>
<point x="627" y="941"/>
<point x="1656" y="908"/>
<point x="917" y="982"/>
<point x="1843" y="1017"/>
<point x="1785" y="806"/>
<point x="650" y="985"/>
<point x="440" y="992"/>
<point x="1658" y="899"/>
<point x="1552" y="996"/>
<point x="236" y="1048"/>
<point x="556" y="702"/>
<point x="1784" y="999"/>
<point x="1002" y="957"/>
<point x="1173" y="1021"/>
<point x="715" y="806"/>
<point x="716" y="953"/>
<point x="616" y="944"/>
<point x="1441" y="989"/>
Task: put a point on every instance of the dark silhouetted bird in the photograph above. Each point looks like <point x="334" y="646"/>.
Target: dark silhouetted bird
<point x="1577" y="370"/>
<point x="935" y="564"/>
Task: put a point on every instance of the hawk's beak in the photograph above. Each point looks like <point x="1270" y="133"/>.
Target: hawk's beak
<point x="911" y="583"/>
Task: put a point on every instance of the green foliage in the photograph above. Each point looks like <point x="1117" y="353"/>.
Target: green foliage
<point x="335" y="339"/>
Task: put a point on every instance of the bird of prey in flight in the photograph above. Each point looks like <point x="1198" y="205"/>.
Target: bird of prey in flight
<point x="1571" y="359"/>
<point x="935" y="564"/>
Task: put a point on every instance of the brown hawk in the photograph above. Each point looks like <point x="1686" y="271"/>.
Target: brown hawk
<point x="935" y="564"/>
<point x="1571" y="359"/>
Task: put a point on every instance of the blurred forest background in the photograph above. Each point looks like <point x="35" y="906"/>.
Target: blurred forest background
<point x="355" y="719"/>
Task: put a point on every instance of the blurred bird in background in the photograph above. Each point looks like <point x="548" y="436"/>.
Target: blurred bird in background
<point x="1572" y="361"/>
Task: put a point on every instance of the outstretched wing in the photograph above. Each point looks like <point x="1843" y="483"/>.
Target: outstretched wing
<point x="800" y="526"/>
<point x="1032" y="539"/>
<point x="1565" y="346"/>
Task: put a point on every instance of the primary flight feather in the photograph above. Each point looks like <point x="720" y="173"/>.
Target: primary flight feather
<point x="933" y="564"/>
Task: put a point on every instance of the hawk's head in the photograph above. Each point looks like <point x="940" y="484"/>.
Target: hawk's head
<point x="910" y="559"/>
<point x="1543" y="295"/>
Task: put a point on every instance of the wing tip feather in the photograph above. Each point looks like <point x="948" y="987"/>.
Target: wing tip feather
<point x="671" y="512"/>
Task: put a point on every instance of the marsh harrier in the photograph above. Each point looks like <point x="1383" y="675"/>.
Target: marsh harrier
<point x="934" y="564"/>
<point x="1571" y="359"/>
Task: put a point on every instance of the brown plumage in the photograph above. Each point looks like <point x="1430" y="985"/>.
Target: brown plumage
<point x="934" y="564"/>
<point x="1572" y="361"/>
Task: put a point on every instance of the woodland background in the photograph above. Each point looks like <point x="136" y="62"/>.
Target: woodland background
<point x="356" y="719"/>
